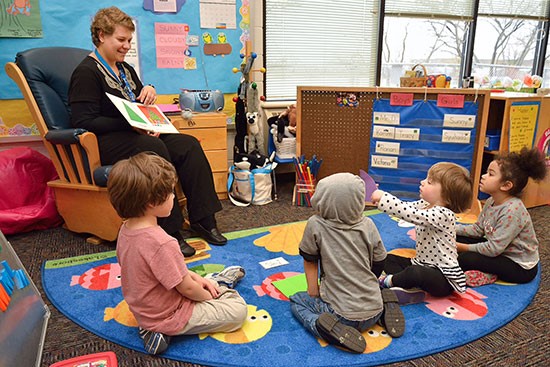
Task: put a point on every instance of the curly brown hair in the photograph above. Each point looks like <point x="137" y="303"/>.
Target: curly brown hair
<point x="141" y="180"/>
<point x="517" y="167"/>
<point x="106" y="19"/>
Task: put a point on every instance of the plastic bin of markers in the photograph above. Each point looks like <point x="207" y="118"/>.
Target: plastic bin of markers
<point x="303" y="191"/>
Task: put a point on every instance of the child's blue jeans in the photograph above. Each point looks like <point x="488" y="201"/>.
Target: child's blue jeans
<point x="307" y="310"/>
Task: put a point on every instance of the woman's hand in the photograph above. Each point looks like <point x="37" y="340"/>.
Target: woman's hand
<point x="147" y="132"/>
<point x="148" y="95"/>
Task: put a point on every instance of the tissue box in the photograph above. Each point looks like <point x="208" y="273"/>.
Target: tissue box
<point x="492" y="140"/>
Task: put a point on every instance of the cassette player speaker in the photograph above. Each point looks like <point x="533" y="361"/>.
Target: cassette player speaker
<point x="201" y="100"/>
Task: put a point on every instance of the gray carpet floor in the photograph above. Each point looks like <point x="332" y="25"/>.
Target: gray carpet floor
<point x="524" y="341"/>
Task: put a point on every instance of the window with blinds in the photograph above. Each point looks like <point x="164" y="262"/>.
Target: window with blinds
<point x="319" y="42"/>
<point x="525" y="9"/>
<point x="333" y="43"/>
<point x="442" y="9"/>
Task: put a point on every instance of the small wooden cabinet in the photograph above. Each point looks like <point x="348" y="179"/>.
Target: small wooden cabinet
<point x="498" y="137"/>
<point x="211" y="131"/>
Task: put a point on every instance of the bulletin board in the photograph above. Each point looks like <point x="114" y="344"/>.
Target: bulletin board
<point x="336" y="124"/>
<point x="68" y="24"/>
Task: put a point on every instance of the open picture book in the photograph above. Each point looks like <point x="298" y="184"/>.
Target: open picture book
<point x="145" y="117"/>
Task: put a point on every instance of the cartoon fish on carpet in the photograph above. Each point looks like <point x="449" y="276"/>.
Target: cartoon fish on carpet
<point x="202" y="247"/>
<point x="267" y="287"/>
<point x="465" y="306"/>
<point x="121" y="314"/>
<point x="100" y="278"/>
<point x="285" y="238"/>
<point x="376" y="337"/>
<point x="205" y="269"/>
<point x="403" y="252"/>
<point x="256" y="326"/>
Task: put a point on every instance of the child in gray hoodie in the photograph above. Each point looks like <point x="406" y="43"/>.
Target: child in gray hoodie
<point x="343" y="258"/>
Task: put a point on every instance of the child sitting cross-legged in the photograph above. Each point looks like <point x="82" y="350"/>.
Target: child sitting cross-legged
<point x="164" y="296"/>
<point x="343" y="257"/>
<point x="446" y="190"/>
<point x="502" y="243"/>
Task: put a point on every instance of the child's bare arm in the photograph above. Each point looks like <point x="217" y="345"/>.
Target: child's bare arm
<point x="211" y="287"/>
<point x="311" y="270"/>
<point x="192" y="289"/>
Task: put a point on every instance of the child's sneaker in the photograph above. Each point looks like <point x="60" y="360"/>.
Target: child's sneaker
<point x="476" y="278"/>
<point x="340" y="335"/>
<point x="153" y="341"/>
<point x="229" y="276"/>
<point x="409" y="296"/>
<point x="385" y="281"/>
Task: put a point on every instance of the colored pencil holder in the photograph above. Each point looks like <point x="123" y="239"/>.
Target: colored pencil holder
<point x="303" y="191"/>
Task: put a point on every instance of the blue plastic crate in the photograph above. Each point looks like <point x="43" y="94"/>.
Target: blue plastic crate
<point x="492" y="140"/>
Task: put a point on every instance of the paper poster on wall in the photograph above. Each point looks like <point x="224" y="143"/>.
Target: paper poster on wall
<point x="171" y="44"/>
<point x="523" y="124"/>
<point x="164" y="6"/>
<point x="22" y="19"/>
<point x="221" y="14"/>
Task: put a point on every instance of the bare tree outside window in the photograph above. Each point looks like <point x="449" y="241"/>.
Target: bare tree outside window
<point x="504" y="47"/>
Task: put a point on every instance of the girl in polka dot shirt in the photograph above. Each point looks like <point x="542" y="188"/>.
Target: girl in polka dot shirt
<point x="446" y="190"/>
<point x="502" y="243"/>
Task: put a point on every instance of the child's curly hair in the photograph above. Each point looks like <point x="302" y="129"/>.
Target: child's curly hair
<point x="456" y="185"/>
<point x="141" y="180"/>
<point x="518" y="167"/>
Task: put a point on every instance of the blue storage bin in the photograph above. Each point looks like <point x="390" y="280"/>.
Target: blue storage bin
<point x="492" y="140"/>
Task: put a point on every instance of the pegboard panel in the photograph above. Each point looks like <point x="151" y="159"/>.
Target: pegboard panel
<point x="339" y="133"/>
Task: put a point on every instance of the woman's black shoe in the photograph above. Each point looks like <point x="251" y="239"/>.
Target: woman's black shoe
<point x="212" y="236"/>
<point x="186" y="249"/>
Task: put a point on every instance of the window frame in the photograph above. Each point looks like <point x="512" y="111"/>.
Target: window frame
<point x="468" y="50"/>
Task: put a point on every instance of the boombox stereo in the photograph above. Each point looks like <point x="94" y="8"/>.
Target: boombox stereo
<point x="201" y="100"/>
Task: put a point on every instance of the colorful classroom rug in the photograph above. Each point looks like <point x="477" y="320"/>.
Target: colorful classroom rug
<point x="87" y="290"/>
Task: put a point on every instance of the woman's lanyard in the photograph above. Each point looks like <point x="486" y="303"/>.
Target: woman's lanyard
<point x="123" y="80"/>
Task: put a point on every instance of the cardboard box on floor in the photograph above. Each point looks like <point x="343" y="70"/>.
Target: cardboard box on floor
<point x="23" y="314"/>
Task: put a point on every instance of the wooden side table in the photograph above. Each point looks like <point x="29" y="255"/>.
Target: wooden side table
<point x="211" y="131"/>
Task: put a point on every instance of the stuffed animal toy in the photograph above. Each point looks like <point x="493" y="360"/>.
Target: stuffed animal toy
<point x="285" y="123"/>
<point x="255" y="138"/>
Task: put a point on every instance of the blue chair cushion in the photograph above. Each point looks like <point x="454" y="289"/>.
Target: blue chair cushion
<point x="48" y="71"/>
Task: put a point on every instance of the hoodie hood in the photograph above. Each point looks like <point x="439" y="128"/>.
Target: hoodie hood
<point x="340" y="198"/>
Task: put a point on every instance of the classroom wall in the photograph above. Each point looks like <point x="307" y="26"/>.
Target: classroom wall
<point x="66" y="25"/>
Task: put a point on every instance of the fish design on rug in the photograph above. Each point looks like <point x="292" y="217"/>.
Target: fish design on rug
<point x="202" y="249"/>
<point x="376" y="337"/>
<point x="466" y="306"/>
<point x="285" y="238"/>
<point x="121" y="314"/>
<point x="267" y="287"/>
<point x="403" y="252"/>
<point x="100" y="278"/>
<point x="205" y="269"/>
<point x="256" y="326"/>
<point x="412" y="234"/>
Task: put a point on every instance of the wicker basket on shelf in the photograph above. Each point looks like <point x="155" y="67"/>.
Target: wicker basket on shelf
<point x="415" y="81"/>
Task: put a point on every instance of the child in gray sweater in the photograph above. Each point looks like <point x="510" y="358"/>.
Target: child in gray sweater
<point x="502" y="243"/>
<point x="343" y="257"/>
